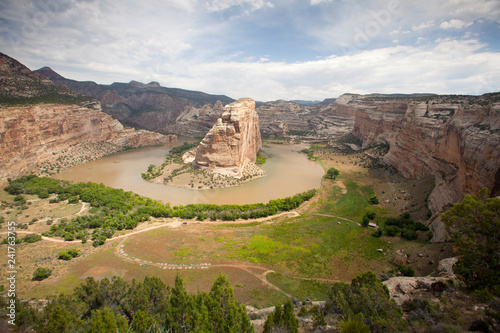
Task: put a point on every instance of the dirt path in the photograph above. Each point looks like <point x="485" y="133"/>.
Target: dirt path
<point x="175" y="223"/>
<point x="250" y="269"/>
<point x="338" y="217"/>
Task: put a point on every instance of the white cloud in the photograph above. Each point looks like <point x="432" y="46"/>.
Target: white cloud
<point x="451" y="66"/>
<point x="423" y="25"/>
<point x="317" y="2"/>
<point x="455" y="24"/>
<point x="218" y="5"/>
<point x="197" y="44"/>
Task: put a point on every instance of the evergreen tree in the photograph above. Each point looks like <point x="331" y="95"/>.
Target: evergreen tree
<point x="103" y="321"/>
<point x="142" y="322"/>
<point x="474" y="225"/>
<point x="366" y="299"/>
<point x="283" y="319"/>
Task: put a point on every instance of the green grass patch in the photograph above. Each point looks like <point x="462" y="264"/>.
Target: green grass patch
<point x="260" y="298"/>
<point x="352" y="205"/>
<point x="299" y="288"/>
<point x="309" y="245"/>
<point x="240" y="225"/>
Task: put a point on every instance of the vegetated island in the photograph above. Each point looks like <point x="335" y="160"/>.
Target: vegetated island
<point x="227" y="156"/>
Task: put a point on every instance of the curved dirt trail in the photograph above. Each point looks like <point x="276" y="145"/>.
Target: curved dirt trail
<point x="175" y="222"/>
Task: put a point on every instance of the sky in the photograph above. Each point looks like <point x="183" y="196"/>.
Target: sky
<point x="263" y="49"/>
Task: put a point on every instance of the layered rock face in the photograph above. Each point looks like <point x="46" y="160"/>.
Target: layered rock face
<point x="233" y="140"/>
<point x="48" y="138"/>
<point x="46" y="128"/>
<point x="455" y="138"/>
<point x="321" y="122"/>
<point x="196" y="122"/>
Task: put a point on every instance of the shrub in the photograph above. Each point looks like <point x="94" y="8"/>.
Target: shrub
<point x="99" y="240"/>
<point x="74" y="253"/>
<point x="482" y="295"/>
<point x="32" y="238"/>
<point x="65" y="255"/>
<point x="421" y="227"/>
<point x="373" y="200"/>
<point x="406" y="270"/>
<point x="303" y="312"/>
<point x="365" y="221"/>
<point x="353" y="326"/>
<point x="43" y="194"/>
<point x="371" y="215"/>
<point x="391" y="230"/>
<point x="409" y="234"/>
<point x="41" y="273"/>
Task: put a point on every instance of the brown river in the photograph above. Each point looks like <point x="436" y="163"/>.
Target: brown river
<point x="288" y="172"/>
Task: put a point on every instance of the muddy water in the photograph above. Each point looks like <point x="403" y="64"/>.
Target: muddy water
<point x="287" y="172"/>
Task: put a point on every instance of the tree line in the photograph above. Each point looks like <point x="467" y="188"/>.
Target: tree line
<point x="115" y="209"/>
<point x="111" y="306"/>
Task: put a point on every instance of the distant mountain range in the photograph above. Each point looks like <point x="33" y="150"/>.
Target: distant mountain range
<point x="136" y="104"/>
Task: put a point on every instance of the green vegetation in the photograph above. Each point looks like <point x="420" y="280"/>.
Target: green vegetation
<point x="307" y="247"/>
<point x="406" y="270"/>
<point x="48" y="98"/>
<point x="366" y="300"/>
<point x="115" y="209"/>
<point x="474" y="225"/>
<point x="299" y="288"/>
<point x="180" y="150"/>
<point x="261" y="159"/>
<point x="353" y="326"/>
<point x="353" y="204"/>
<point x="374" y="200"/>
<point x="30" y="238"/>
<point x="41" y="273"/>
<point x="403" y="225"/>
<point x="332" y="173"/>
<point x="282" y="319"/>
<point x="174" y="155"/>
<point x="309" y="153"/>
<point x="149" y="306"/>
<point x="70" y="254"/>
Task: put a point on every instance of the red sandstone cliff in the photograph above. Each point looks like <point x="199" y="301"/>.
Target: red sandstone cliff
<point x="233" y="140"/>
<point x="46" y="128"/>
<point x="455" y="138"/>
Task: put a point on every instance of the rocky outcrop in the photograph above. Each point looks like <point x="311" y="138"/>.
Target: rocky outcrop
<point x="233" y="140"/>
<point x="455" y="138"/>
<point x="47" y="138"/>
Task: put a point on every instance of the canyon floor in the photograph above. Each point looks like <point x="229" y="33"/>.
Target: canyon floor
<point x="267" y="260"/>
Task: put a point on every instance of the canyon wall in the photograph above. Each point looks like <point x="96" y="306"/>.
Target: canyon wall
<point x="316" y="122"/>
<point x="454" y="138"/>
<point x="46" y="128"/>
<point x="47" y="138"/>
<point x="233" y="140"/>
